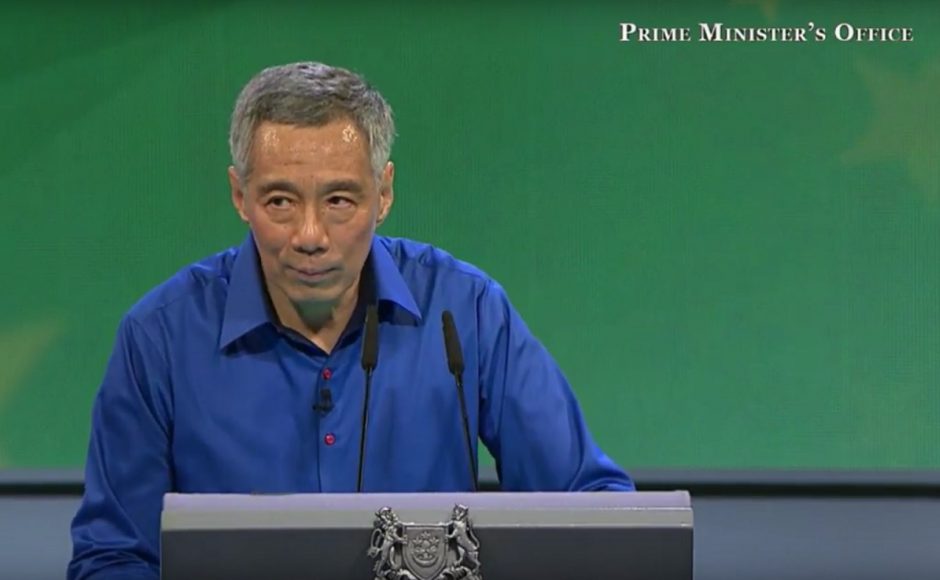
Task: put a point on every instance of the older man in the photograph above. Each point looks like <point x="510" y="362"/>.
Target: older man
<point x="244" y="372"/>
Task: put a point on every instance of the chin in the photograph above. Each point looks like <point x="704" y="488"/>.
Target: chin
<point x="307" y="294"/>
<point x="328" y="293"/>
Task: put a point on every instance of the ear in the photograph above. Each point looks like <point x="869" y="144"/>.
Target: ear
<point x="238" y="194"/>
<point x="386" y="193"/>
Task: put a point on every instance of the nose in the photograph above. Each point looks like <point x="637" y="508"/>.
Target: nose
<point x="310" y="236"/>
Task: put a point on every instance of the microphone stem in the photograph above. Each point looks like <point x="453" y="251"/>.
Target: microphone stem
<point x="466" y="432"/>
<point x="362" y="435"/>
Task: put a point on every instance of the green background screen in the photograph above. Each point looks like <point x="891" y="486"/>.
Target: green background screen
<point x="732" y="249"/>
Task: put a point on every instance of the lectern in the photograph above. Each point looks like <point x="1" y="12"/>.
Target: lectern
<point x="430" y="536"/>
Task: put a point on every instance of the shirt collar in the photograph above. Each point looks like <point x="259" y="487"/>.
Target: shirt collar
<point x="247" y="305"/>
<point x="390" y="286"/>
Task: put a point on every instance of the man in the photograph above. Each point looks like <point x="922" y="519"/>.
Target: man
<point x="242" y="372"/>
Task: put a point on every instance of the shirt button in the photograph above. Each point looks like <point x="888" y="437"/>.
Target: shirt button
<point x="327" y="373"/>
<point x="329" y="439"/>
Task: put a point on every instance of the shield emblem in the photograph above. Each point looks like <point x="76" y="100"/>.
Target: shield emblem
<point x="425" y="551"/>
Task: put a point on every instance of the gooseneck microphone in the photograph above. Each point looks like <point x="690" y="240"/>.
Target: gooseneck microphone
<point x="455" y="364"/>
<point x="370" y="359"/>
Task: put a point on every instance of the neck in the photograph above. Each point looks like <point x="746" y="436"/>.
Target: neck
<point x="322" y="324"/>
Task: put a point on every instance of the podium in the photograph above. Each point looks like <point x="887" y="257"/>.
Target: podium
<point x="424" y="536"/>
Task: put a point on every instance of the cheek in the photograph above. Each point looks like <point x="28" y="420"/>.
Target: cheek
<point x="362" y="235"/>
<point x="353" y="240"/>
<point x="271" y="238"/>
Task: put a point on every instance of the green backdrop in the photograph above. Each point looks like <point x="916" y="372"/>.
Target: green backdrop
<point x="733" y="250"/>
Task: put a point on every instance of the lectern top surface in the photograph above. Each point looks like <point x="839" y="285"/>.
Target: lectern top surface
<point x="486" y="500"/>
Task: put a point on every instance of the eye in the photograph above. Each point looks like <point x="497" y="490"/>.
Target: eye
<point x="278" y="202"/>
<point x="339" y="201"/>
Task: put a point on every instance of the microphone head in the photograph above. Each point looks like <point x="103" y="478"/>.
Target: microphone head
<point x="370" y="340"/>
<point x="452" y="344"/>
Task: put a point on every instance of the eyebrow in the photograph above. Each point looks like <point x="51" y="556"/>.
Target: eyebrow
<point x="349" y="185"/>
<point x="278" y="185"/>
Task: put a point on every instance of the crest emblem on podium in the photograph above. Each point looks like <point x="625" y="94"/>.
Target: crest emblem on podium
<point x="418" y="551"/>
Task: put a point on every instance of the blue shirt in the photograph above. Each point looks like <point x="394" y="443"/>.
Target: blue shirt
<point x="206" y="392"/>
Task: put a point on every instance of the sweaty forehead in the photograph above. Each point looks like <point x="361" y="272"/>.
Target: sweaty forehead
<point x="290" y="142"/>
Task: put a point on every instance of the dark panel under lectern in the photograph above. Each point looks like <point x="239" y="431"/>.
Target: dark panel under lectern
<point x="549" y="536"/>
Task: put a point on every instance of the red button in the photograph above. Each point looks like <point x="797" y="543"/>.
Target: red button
<point x="327" y="373"/>
<point x="329" y="439"/>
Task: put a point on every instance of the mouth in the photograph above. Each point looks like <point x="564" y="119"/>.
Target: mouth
<point x="312" y="274"/>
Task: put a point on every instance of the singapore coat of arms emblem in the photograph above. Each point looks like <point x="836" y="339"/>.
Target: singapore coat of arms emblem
<point x="411" y="551"/>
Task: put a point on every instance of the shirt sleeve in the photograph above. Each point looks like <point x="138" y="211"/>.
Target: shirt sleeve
<point x="529" y="419"/>
<point x="115" y="533"/>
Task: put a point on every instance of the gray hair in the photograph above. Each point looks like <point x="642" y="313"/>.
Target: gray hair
<point x="310" y="94"/>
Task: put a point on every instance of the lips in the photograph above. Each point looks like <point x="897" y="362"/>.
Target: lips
<point x="312" y="271"/>
<point x="312" y="275"/>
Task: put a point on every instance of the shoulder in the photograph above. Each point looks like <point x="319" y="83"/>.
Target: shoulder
<point x="437" y="278"/>
<point x="196" y="285"/>
<point x="414" y="257"/>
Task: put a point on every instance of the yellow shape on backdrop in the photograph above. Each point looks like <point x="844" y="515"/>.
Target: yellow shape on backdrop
<point x="22" y="348"/>
<point x="767" y="7"/>
<point x="905" y="124"/>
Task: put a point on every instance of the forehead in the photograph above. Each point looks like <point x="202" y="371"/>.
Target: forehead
<point x="338" y="141"/>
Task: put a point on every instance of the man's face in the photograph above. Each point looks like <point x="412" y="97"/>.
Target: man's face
<point x="313" y="203"/>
